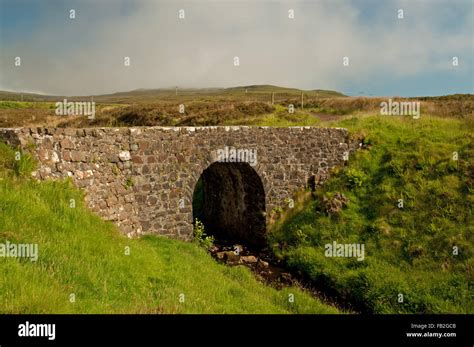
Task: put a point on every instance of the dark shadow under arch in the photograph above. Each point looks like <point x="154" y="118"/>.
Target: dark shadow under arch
<point x="229" y="199"/>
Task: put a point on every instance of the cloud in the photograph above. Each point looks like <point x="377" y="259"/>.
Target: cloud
<point x="85" y="56"/>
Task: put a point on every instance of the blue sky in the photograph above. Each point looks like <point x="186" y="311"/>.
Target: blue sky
<point x="387" y="56"/>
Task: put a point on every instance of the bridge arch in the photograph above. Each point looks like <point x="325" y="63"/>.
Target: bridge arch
<point x="143" y="178"/>
<point x="229" y="198"/>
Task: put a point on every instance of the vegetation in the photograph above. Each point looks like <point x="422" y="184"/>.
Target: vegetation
<point x="410" y="247"/>
<point x="200" y="235"/>
<point x="249" y="105"/>
<point x="25" y="105"/>
<point x="407" y="196"/>
<point x="82" y="255"/>
<point x="15" y="163"/>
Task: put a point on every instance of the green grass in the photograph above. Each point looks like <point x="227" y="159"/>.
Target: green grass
<point x="82" y="255"/>
<point x="409" y="250"/>
<point x="26" y="105"/>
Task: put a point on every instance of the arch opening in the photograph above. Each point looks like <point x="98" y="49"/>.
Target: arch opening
<point x="229" y="199"/>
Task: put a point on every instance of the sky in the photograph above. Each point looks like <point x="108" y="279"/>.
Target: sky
<point x="388" y="56"/>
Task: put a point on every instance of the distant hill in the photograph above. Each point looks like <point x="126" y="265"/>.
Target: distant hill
<point x="147" y="95"/>
<point x="261" y="92"/>
<point x="19" y="96"/>
<point x="266" y="88"/>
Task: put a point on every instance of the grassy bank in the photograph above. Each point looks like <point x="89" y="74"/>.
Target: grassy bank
<point x="422" y="249"/>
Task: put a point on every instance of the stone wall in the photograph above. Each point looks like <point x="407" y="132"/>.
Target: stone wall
<point x="143" y="178"/>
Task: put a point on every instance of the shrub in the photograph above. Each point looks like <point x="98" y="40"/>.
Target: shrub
<point x="15" y="162"/>
<point x="129" y="183"/>
<point x="200" y="235"/>
<point x="355" y="178"/>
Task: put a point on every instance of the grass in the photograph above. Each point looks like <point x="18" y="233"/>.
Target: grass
<point x="82" y="255"/>
<point x="26" y="105"/>
<point x="409" y="250"/>
<point x="247" y="105"/>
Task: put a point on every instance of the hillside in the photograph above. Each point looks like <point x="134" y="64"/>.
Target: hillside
<point x="169" y="94"/>
<point x="248" y="105"/>
<point x="204" y="106"/>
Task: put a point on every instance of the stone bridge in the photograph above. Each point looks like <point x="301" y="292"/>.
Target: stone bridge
<point x="146" y="179"/>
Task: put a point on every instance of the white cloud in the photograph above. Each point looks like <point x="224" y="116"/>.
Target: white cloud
<point x="86" y="57"/>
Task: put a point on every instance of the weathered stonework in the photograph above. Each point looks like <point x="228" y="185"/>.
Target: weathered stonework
<point x="143" y="178"/>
